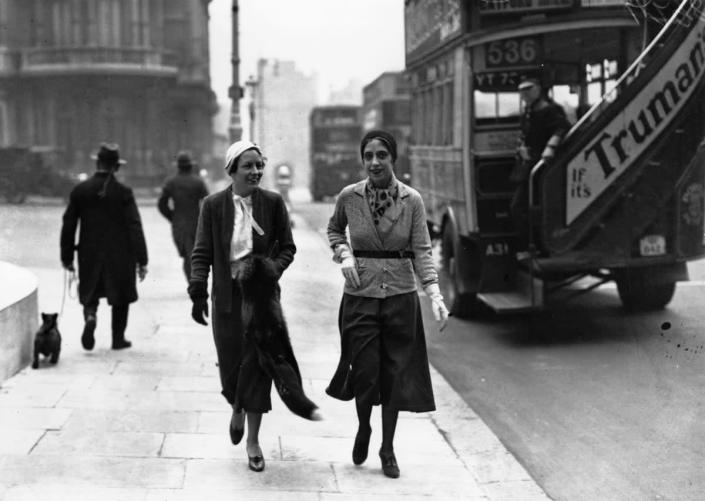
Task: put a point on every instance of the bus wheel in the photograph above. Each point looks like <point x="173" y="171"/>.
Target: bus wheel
<point x="461" y="305"/>
<point x="642" y="290"/>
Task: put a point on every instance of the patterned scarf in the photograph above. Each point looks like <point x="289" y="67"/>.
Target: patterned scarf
<point x="381" y="199"/>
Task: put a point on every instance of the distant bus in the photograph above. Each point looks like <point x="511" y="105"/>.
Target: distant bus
<point x="335" y="156"/>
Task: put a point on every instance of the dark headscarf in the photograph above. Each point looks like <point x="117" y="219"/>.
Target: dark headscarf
<point x="383" y="136"/>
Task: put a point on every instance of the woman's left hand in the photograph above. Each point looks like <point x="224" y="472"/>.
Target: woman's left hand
<point x="440" y="312"/>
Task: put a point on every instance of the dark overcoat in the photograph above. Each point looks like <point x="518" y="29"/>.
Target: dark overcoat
<point x="185" y="191"/>
<point x="111" y="241"/>
<point x="215" y="231"/>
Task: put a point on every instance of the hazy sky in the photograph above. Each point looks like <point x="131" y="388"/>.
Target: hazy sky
<point x="336" y="39"/>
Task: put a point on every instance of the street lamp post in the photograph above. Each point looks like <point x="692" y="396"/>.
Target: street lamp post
<point x="252" y="83"/>
<point x="235" y="91"/>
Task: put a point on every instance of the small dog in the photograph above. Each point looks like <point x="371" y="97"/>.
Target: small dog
<point x="47" y="341"/>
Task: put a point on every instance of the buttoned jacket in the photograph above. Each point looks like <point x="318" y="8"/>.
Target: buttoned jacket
<point x="214" y="234"/>
<point x="386" y="276"/>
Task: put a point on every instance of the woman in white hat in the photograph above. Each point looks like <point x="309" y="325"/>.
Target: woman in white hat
<point x="239" y="221"/>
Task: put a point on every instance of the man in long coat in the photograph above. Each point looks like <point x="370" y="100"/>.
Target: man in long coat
<point x="111" y="245"/>
<point x="180" y="202"/>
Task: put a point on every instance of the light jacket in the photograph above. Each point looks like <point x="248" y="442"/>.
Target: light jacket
<point x="384" y="277"/>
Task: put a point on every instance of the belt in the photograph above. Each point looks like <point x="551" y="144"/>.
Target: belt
<point x="384" y="254"/>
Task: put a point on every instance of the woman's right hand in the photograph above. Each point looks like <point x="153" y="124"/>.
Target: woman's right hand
<point x="349" y="269"/>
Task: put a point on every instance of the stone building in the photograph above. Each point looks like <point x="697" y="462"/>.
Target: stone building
<point x="283" y="99"/>
<point x="74" y="73"/>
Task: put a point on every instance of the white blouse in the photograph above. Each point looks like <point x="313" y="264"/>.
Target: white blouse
<point x="241" y="243"/>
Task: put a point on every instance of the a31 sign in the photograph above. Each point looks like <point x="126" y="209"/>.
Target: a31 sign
<point x="524" y="51"/>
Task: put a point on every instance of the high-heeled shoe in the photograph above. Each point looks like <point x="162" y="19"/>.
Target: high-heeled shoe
<point x="362" y="444"/>
<point x="236" y="433"/>
<point x="389" y="464"/>
<point x="256" y="463"/>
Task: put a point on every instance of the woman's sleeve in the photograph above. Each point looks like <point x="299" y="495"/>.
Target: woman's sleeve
<point x="287" y="248"/>
<point x="202" y="254"/>
<point x="337" y="224"/>
<point x="421" y="245"/>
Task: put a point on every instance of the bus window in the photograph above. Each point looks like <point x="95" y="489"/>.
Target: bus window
<point x="564" y="95"/>
<point x="496" y="107"/>
<point x="600" y="78"/>
<point x="508" y="104"/>
<point x="485" y="104"/>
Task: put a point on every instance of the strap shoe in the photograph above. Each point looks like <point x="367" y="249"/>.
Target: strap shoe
<point x="389" y="464"/>
<point x="362" y="444"/>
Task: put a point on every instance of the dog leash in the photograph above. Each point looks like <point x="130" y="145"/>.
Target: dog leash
<point x="69" y="280"/>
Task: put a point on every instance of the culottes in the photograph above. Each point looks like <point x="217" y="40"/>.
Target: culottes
<point x="383" y="353"/>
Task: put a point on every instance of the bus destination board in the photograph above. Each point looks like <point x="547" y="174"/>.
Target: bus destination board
<point x="515" y="6"/>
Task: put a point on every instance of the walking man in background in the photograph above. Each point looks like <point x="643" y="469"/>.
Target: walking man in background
<point x="179" y="203"/>
<point x="111" y="245"/>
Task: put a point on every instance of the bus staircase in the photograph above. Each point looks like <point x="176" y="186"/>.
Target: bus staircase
<point x="622" y="169"/>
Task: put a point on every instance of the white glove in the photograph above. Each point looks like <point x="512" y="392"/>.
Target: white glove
<point x="524" y="152"/>
<point x="349" y="268"/>
<point x="440" y="312"/>
<point x="548" y="152"/>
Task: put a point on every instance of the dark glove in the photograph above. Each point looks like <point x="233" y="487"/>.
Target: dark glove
<point x="199" y="310"/>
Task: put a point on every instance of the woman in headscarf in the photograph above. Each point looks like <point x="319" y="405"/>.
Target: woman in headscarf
<point x="240" y="221"/>
<point x="383" y="348"/>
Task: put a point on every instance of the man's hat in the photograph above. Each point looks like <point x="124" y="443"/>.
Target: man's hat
<point x="527" y="82"/>
<point x="109" y="154"/>
<point x="183" y="160"/>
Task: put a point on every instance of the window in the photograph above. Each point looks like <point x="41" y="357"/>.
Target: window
<point x="568" y="98"/>
<point x="432" y="114"/>
<point x="109" y="21"/>
<point x="496" y="107"/>
<point x="4" y="140"/>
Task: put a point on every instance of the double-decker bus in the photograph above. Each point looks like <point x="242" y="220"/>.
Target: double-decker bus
<point x="623" y="198"/>
<point x="335" y="155"/>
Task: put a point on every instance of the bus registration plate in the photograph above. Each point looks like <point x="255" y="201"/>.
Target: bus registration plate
<point x="652" y="245"/>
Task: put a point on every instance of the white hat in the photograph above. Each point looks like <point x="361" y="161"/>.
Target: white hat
<point x="527" y="83"/>
<point x="236" y="149"/>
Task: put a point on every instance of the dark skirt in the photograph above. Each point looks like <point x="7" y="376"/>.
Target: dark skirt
<point x="383" y="356"/>
<point x="244" y="383"/>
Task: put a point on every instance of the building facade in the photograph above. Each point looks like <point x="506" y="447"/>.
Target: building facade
<point x="75" y="73"/>
<point x="283" y="99"/>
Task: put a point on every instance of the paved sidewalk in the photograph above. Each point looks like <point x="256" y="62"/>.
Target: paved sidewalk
<point x="149" y="423"/>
